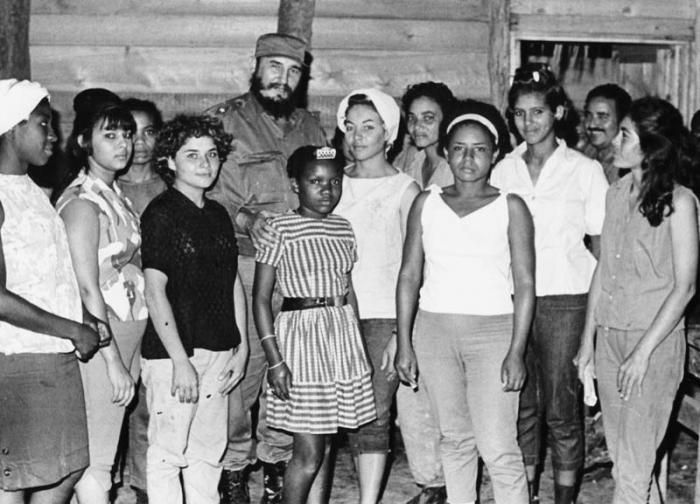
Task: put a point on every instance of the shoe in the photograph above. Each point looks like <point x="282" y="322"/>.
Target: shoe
<point x="273" y="482"/>
<point x="234" y="487"/>
<point x="141" y="495"/>
<point x="430" y="495"/>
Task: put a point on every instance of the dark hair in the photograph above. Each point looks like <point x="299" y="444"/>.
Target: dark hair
<point x="613" y="92"/>
<point x="436" y="91"/>
<point x="488" y="112"/>
<point x="176" y="132"/>
<point x="308" y="155"/>
<point x="109" y="116"/>
<point x="538" y="78"/>
<point x="361" y="99"/>
<point x="670" y="155"/>
<point x="147" y="107"/>
<point x="695" y="121"/>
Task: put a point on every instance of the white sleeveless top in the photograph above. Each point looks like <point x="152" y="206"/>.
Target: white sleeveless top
<point x="37" y="263"/>
<point x="467" y="260"/>
<point x="372" y="207"/>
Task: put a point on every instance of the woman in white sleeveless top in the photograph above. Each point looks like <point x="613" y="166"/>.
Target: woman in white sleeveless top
<point x="468" y="247"/>
<point x="376" y="200"/>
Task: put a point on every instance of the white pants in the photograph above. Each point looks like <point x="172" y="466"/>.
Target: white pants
<point x="187" y="437"/>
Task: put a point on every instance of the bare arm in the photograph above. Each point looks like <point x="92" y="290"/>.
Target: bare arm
<point x="521" y="237"/>
<point x="82" y="228"/>
<point x="278" y="375"/>
<point x="410" y="279"/>
<point x="19" y="312"/>
<point x="584" y="356"/>
<point x="684" y="240"/>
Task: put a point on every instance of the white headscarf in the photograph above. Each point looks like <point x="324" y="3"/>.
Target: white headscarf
<point x="17" y="101"/>
<point x="386" y="107"/>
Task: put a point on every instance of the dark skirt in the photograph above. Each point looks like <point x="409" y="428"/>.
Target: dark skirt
<point x="43" y="433"/>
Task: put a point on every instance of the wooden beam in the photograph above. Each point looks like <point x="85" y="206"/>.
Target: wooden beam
<point x="241" y="32"/>
<point x="597" y="27"/>
<point x="14" y="39"/>
<point x="222" y="70"/>
<point x="295" y="17"/>
<point x="620" y="9"/>
<point x="464" y="10"/>
<point x="499" y="54"/>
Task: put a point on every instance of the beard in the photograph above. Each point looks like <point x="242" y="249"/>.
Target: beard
<point x="276" y="107"/>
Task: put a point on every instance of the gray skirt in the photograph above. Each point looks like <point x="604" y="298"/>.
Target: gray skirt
<point x="43" y="433"/>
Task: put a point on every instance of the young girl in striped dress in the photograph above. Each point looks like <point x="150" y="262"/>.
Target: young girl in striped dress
<point x="319" y="376"/>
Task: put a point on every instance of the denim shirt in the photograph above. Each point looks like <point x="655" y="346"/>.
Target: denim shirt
<point x="636" y="263"/>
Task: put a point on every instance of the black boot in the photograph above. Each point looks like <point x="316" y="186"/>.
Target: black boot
<point x="430" y="495"/>
<point x="234" y="487"/>
<point x="141" y="495"/>
<point x="273" y="481"/>
<point x="564" y="494"/>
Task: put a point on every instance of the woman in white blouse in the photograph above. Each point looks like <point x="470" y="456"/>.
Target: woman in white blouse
<point x="565" y="192"/>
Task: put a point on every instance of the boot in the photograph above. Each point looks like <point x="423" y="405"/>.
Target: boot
<point x="564" y="494"/>
<point x="141" y="495"/>
<point x="430" y="495"/>
<point x="273" y="481"/>
<point x="234" y="487"/>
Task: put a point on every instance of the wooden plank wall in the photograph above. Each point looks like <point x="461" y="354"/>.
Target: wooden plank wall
<point x="189" y="54"/>
<point x="631" y="21"/>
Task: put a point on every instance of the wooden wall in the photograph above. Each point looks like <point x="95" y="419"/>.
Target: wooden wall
<point x="189" y="54"/>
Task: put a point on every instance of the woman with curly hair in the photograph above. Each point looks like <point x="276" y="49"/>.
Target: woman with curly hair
<point x="425" y="106"/>
<point x="643" y="282"/>
<point x="195" y="347"/>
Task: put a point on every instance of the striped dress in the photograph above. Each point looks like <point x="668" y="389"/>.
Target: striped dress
<point x="331" y="376"/>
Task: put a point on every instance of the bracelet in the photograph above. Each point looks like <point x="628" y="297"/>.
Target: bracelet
<point x="268" y="336"/>
<point x="276" y="365"/>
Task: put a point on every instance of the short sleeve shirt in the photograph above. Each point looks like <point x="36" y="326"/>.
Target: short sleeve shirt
<point x="196" y="249"/>
<point x="566" y="203"/>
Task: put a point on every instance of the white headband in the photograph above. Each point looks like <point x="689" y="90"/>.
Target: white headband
<point x="476" y="118"/>
<point x="17" y="101"/>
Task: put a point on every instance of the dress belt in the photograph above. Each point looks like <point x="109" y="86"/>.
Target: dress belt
<point x="295" y="303"/>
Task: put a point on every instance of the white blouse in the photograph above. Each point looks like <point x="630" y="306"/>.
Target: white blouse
<point x="567" y="202"/>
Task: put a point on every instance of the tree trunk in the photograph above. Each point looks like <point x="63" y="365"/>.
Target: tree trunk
<point x="295" y="18"/>
<point x="14" y="39"/>
<point x="499" y="54"/>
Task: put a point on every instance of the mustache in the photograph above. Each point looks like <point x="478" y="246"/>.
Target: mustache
<point x="281" y="86"/>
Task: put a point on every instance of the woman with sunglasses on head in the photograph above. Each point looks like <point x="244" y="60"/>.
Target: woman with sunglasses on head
<point x="644" y="280"/>
<point x="565" y="192"/>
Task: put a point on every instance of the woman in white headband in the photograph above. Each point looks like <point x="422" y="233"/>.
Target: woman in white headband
<point x="43" y="432"/>
<point x="468" y="247"/>
<point x="565" y="192"/>
<point x="376" y="200"/>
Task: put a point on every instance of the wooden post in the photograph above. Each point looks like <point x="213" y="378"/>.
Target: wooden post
<point x="14" y="39"/>
<point x="499" y="50"/>
<point x="295" y="18"/>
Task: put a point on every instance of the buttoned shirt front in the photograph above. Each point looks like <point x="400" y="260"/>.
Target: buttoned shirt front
<point x="254" y="175"/>
<point x="636" y="263"/>
<point x="567" y="203"/>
